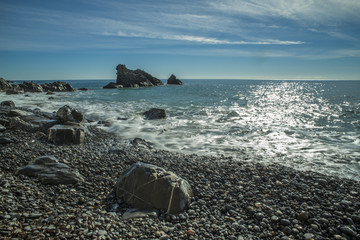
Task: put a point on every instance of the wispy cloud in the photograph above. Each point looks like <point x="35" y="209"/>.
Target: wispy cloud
<point x="198" y="39"/>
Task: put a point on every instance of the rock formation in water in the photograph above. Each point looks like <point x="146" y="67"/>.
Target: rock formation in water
<point x="34" y="87"/>
<point x="174" y="81"/>
<point x="127" y="78"/>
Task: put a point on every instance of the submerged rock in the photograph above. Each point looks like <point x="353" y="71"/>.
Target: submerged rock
<point x="113" y="85"/>
<point x="149" y="186"/>
<point x="174" y="81"/>
<point x="49" y="171"/>
<point x="155" y="113"/>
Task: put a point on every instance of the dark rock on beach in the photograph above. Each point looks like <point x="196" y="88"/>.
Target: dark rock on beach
<point x="9" y="104"/>
<point x="149" y="186"/>
<point x="155" y="113"/>
<point x="174" y="81"/>
<point x="49" y="171"/>
<point x="133" y="78"/>
<point x="67" y="114"/>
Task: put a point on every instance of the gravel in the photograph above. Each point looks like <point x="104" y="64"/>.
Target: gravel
<point x="234" y="198"/>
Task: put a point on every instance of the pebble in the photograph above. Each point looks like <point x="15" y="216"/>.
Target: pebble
<point x="347" y="230"/>
<point x="303" y="216"/>
<point x="308" y="236"/>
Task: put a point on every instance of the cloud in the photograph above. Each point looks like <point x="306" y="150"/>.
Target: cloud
<point x="303" y="11"/>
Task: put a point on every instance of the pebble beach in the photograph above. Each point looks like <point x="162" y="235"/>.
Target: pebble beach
<point x="233" y="198"/>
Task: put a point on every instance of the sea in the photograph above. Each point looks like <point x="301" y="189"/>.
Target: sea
<point x="306" y="125"/>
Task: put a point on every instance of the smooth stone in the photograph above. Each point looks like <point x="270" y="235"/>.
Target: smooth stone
<point x="140" y="213"/>
<point x="303" y="216"/>
<point x="347" y="230"/>
<point x="5" y="140"/>
<point x="308" y="236"/>
<point x="285" y="222"/>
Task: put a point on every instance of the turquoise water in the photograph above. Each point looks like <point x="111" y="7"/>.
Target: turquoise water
<point x="308" y="125"/>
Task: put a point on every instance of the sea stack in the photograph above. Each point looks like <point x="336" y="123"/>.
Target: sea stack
<point x="127" y="78"/>
<point x="174" y="81"/>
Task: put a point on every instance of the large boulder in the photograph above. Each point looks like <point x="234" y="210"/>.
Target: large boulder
<point x="155" y="113"/>
<point x="133" y="78"/>
<point x="49" y="171"/>
<point x="67" y="114"/>
<point x="149" y="186"/>
<point x="66" y="134"/>
<point x="174" y="81"/>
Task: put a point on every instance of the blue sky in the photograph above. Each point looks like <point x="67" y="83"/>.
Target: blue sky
<point x="236" y="39"/>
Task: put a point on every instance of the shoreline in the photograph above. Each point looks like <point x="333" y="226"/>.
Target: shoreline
<point x="234" y="199"/>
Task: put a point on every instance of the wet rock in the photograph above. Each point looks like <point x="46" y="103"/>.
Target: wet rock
<point x="14" y="91"/>
<point x="4" y="85"/>
<point x="67" y="114"/>
<point x="10" y="104"/>
<point x="2" y="128"/>
<point x="66" y="134"/>
<point x="57" y="87"/>
<point x="155" y="113"/>
<point x="174" y="81"/>
<point x="31" y="87"/>
<point x="149" y="186"/>
<point x="49" y="171"/>
<point x="83" y="89"/>
<point x="139" y="142"/>
<point x="113" y="85"/>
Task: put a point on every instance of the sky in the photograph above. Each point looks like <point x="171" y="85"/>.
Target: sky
<point x="193" y="39"/>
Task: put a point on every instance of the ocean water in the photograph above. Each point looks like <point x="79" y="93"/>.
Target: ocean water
<point x="307" y="125"/>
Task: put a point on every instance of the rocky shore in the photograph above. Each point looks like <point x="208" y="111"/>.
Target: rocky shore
<point x="233" y="198"/>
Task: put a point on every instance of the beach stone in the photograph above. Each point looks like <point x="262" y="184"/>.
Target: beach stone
<point x="139" y="142"/>
<point x="18" y="123"/>
<point x="66" y="134"/>
<point x="303" y="216"/>
<point x="49" y="171"/>
<point x="148" y="186"/>
<point x="5" y="140"/>
<point x="308" y="236"/>
<point x="155" y="113"/>
<point x="140" y="213"/>
<point x="173" y="80"/>
<point x="348" y="231"/>
<point x="68" y="114"/>
<point x="9" y="103"/>
<point x="19" y="113"/>
<point x="2" y="128"/>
